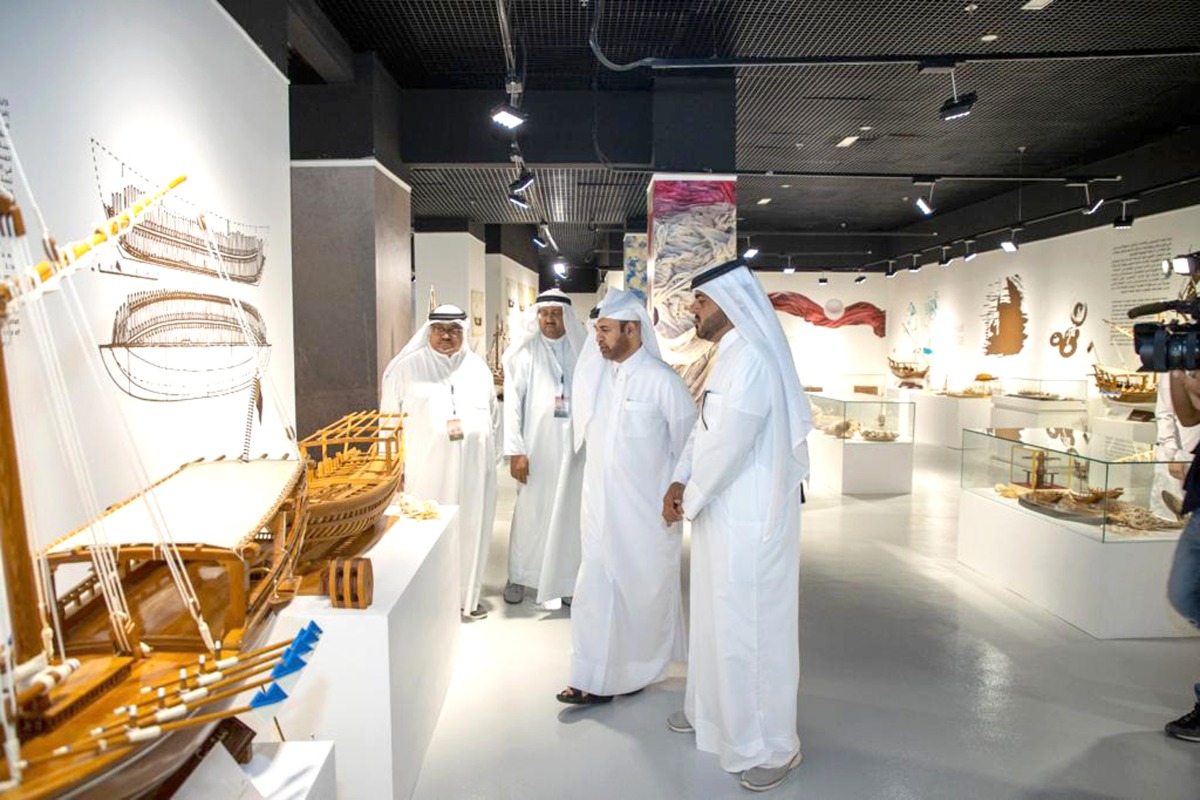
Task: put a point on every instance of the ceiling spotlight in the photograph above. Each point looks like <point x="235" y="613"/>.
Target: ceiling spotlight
<point x="847" y="142"/>
<point x="1187" y="264"/>
<point x="764" y="201"/>
<point x="751" y="252"/>
<point x="1124" y="221"/>
<point x="969" y="250"/>
<point x="789" y="270"/>
<point x="915" y="266"/>
<point x="955" y="106"/>
<point x="861" y="279"/>
<point x="521" y="183"/>
<point x="926" y="209"/>
<point x="1009" y="245"/>
<point x="822" y="281"/>
<point x="560" y="268"/>
<point x="540" y="242"/>
<point x="508" y="116"/>
<point x="518" y="201"/>
<point x="946" y="258"/>
<point x="891" y="269"/>
<point x="1089" y="207"/>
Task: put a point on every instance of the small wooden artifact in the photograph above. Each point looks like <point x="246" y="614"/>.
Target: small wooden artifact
<point x="350" y="582"/>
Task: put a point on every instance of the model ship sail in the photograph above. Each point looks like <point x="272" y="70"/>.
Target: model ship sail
<point x="176" y="345"/>
<point x="108" y="685"/>
<point x="172" y="234"/>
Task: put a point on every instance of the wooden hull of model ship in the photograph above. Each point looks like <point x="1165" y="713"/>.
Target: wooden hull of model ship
<point x="1124" y="386"/>
<point x="355" y="467"/>
<point x="907" y="370"/>
<point x="237" y="552"/>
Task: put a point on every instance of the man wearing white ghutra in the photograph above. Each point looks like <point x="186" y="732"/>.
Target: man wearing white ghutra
<point x="539" y="369"/>
<point x="739" y="483"/>
<point x="449" y="395"/>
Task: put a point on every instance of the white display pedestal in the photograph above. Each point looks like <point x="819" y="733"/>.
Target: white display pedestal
<point x="1024" y="412"/>
<point x="1124" y="429"/>
<point x="849" y="467"/>
<point x="1111" y="590"/>
<point x="941" y="418"/>
<point x="292" y="770"/>
<point x="376" y="682"/>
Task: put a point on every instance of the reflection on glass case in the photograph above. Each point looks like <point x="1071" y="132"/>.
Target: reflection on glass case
<point x="862" y="418"/>
<point x="983" y="385"/>
<point x="1044" y="389"/>
<point x="1099" y="486"/>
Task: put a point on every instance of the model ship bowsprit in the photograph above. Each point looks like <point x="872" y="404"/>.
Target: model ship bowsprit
<point x="108" y="686"/>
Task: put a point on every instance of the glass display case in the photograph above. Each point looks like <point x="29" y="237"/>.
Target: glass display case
<point x="1046" y="389"/>
<point x="862" y="418"/>
<point x="982" y="385"/>
<point x="1098" y="486"/>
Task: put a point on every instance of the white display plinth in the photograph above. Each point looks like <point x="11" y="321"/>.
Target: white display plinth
<point x="376" y="681"/>
<point x="1111" y="590"/>
<point x="218" y="775"/>
<point x="1125" y="429"/>
<point x="1024" y="412"/>
<point x="849" y="467"/>
<point x="941" y="418"/>
<point x="294" y="770"/>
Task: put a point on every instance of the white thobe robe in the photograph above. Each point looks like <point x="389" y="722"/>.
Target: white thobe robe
<point x="1175" y="442"/>
<point x="544" y="544"/>
<point x="432" y="389"/>
<point x="744" y="649"/>
<point x="627" y="618"/>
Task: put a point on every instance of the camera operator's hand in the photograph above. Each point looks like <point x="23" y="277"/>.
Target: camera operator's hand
<point x="1185" y="396"/>
<point x="1178" y="470"/>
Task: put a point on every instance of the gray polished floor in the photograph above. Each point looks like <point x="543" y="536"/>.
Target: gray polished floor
<point x="919" y="679"/>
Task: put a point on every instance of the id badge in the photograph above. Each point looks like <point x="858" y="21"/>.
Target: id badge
<point x="454" y="429"/>
<point x="562" y="407"/>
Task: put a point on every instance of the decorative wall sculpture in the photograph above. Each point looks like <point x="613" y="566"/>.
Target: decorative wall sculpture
<point x="1067" y="341"/>
<point x="1004" y="318"/>
<point x="174" y="345"/>
<point x="861" y="313"/>
<point x="175" y="234"/>
<point x="637" y="255"/>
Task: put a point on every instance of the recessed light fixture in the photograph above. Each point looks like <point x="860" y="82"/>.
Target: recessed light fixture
<point x="971" y="8"/>
<point x="785" y="186"/>
<point x="518" y="201"/>
<point x="799" y="144"/>
<point x="506" y="116"/>
<point x="1036" y="5"/>
<point x="989" y="37"/>
<point x="861" y="279"/>
<point x="764" y="201"/>
<point x="866" y="128"/>
<point x="849" y="140"/>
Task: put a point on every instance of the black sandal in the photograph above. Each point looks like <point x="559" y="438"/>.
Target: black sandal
<point x="574" y="697"/>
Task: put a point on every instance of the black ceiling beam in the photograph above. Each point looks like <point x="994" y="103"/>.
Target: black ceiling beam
<point x="313" y="37"/>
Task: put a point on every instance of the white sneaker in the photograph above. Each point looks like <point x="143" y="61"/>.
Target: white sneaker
<point x="762" y="779"/>
<point x="551" y="605"/>
<point x="678" y="722"/>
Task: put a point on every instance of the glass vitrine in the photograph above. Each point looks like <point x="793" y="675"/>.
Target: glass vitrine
<point x="862" y="418"/>
<point x="1049" y="389"/>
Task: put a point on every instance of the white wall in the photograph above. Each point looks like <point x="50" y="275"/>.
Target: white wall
<point x="454" y="264"/>
<point x="1056" y="274"/>
<point x="509" y="287"/>
<point x="824" y="355"/>
<point x="170" y="87"/>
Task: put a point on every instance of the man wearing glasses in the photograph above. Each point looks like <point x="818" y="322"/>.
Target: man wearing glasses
<point x="448" y="393"/>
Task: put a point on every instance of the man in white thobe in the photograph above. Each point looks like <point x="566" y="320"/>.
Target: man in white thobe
<point x="539" y="367"/>
<point x="634" y="413"/>
<point x="449" y="397"/>
<point x="739" y="484"/>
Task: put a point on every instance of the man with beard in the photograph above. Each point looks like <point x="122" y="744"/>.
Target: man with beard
<point x="635" y="414"/>
<point x="450" y="451"/>
<point x="539" y="366"/>
<point x="739" y="483"/>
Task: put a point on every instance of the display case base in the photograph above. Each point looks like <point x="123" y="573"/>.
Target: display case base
<point x="940" y="419"/>
<point x="376" y="682"/>
<point x="849" y="467"/>
<point x="1024" y="412"/>
<point x="1111" y="590"/>
<point x="1121" y="428"/>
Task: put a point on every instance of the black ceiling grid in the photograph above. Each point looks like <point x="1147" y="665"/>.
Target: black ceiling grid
<point x="1066" y="113"/>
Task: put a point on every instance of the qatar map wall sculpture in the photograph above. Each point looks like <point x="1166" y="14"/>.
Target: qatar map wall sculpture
<point x="693" y="226"/>
<point x="1004" y="318"/>
<point x="832" y="314"/>
<point x="175" y="345"/>
<point x="175" y="234"/>
<point x="1067" y="341"/>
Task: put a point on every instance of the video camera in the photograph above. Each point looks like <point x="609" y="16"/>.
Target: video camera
<point x="1166" y="346"/>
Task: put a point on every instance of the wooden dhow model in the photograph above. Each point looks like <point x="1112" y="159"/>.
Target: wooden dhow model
<point x="108" y="687"/>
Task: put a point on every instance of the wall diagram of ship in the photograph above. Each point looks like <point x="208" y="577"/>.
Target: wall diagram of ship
<point x="176" y="345"/>
<point x="175" y="234"/>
